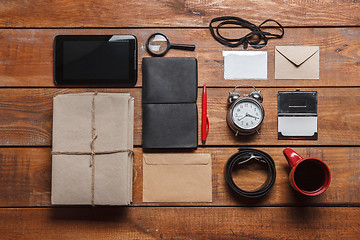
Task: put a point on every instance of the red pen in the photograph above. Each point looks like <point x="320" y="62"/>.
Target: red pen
<point x="204" y="118"/>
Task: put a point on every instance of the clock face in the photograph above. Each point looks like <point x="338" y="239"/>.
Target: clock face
<point x="247" y="114"/>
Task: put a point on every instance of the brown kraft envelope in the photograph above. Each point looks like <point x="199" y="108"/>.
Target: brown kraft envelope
<point x="92" y="149"/>
<point x="177" y="177"/>
<point x="297" y="62"/>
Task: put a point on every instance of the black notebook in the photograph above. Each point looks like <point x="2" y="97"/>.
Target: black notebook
<point x="170" y="117"/>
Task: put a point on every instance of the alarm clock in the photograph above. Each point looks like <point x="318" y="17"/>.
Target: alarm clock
<point x="245" y="113"/>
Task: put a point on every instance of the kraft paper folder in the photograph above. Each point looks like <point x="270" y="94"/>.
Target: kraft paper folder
<point x="92" y="149"/>
<point x="177" y="177"/>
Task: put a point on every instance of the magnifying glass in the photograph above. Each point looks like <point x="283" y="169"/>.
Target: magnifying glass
<point x="158" y="45"/>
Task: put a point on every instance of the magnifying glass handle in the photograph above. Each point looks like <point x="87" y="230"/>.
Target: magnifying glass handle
<point x="183" y="47"/>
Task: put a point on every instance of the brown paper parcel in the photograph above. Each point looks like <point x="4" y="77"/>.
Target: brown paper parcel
<point x="177" y="178"/>
<point x="297" y="62"/>
<point x="92" y="149"/>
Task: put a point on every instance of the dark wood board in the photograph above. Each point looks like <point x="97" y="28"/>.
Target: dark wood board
<point x="27" y="55"/>
<point x="173" y="13"/>
<point x="26" y="117"/>
<point x="26" y="178"/>
<point x="181" y="223"/>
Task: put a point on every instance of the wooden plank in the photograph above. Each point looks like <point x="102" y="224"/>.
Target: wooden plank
<point x="344" y="190"/>
<point x="27" y="54"/>
<point x="26" y="178"/>
<point x="26" y="117"/>
<point x="173" y="13"/>
<point x="335" y="110"/>
<point x="180" y="223"/>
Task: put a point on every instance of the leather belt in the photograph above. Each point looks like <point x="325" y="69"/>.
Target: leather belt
<point x="243" y="156"/>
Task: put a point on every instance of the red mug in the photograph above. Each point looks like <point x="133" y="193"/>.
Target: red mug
<point x="309" y="176"/>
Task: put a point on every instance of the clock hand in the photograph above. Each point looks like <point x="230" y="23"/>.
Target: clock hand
<point x="251" y="116"/>
<point x="242" y="117"/>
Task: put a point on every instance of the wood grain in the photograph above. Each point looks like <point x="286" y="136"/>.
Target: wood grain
<point x="26" y="178"/>
<point x="180" y="223"/>
<point x="26" y="55"/>
<point x="27" y="30"/>
<point x="26" y="117"/>
<point x="173" y="13"/>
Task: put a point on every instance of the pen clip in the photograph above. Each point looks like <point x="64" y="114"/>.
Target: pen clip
<point x="208" y="126"/>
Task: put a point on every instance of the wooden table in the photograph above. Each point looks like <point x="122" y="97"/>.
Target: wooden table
<point x="26" y="57"/>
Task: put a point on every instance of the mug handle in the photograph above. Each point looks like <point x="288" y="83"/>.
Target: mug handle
<point x="291" y="156"/>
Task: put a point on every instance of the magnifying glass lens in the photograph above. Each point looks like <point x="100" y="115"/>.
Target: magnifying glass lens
<point x="158" y="44"/>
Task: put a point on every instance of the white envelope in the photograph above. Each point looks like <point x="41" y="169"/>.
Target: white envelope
<point x="297" y="62"/>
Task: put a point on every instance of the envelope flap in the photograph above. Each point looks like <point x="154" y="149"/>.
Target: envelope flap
<point x="297" y="54"/>
<point x="177" y="159"/>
